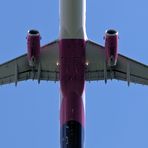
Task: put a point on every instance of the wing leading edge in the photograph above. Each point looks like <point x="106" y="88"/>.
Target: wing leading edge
<point x="18" y="69"/>
<point x="126" y="69"/>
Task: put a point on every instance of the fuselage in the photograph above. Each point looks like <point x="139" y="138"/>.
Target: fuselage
<point x="72" y="44"/>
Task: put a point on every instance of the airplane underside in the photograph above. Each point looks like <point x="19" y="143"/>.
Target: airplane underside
<point x="73" y="59"/>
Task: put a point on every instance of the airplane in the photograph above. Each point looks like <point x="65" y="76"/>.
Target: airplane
<point x="73" y="59"/>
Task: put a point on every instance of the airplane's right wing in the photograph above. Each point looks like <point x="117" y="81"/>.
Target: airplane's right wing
<point x="126" y="69"/>
<point x="18" y="69"/>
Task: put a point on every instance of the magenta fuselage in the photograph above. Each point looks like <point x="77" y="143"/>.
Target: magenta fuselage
<point x="72" y="37"/>
<point x="72" y="80"/>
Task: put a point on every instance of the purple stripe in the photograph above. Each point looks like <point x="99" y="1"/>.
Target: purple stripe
<point x="72" y="70"/>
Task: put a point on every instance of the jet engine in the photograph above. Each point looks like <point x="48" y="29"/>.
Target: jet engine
<point x="111" y="47"/>
<point x="33" y="47"/>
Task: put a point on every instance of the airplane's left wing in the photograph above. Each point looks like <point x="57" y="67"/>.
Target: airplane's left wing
<point x="126" y="69"/>
<point x="131" y="71"/>
<point x="18" y="69"/>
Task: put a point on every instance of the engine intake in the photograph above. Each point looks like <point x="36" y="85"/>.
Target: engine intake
<point x="111" y="32"/>
<point x="33" y="32"/>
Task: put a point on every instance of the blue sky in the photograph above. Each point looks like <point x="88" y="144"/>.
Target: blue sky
<point x="116" y="115"/>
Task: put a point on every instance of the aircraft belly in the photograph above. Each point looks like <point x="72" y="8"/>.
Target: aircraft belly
<point x="72" y="70"/>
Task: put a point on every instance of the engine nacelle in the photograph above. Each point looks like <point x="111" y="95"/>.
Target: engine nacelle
<point x="111" y="47"/>
<point x="33" y="47"/>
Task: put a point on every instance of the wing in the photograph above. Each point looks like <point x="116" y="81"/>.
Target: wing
<point x="131" y="71"/>
<point x="96" y="68"/>
<point x="126" y="69"/>
<point x="19" y="70"/>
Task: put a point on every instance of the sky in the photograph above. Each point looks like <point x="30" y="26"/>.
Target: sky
<point x="116" y="115"/>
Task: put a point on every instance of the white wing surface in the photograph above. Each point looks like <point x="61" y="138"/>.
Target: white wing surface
<point x="18" y="69"/>
<point x="126" y="69"/>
